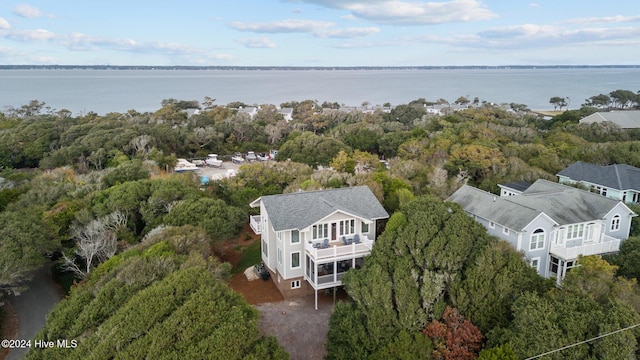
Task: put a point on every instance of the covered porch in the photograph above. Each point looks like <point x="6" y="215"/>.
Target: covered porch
<point x="328" y="273"/>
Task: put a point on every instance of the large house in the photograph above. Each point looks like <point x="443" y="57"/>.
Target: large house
<point x="618" y="181"/>
<point x="310" y="239"/>
<point x="550" y="223"/>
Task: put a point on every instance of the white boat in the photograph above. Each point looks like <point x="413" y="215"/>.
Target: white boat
<point x="212" y="160"/>
<point x="184" y="165"/>
<point x="237" y="158"/>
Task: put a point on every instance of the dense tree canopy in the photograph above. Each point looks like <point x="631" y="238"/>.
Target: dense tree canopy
<point x="60" y="172"/>
<point x="158" y="300"/>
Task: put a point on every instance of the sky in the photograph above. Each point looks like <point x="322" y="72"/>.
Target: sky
<point x="320" y="32"/>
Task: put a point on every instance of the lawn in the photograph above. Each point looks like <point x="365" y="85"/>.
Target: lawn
<point x="250" y="256"/>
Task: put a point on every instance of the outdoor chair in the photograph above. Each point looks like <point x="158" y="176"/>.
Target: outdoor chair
<point x="356" y="238"/>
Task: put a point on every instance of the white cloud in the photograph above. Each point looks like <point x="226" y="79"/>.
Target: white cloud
<point x="606" y="19"/>
<point x="30" y="35"/>
<point x="283" y="26"/>
<point x="322" y="29"/>
<point x="4" y="24"/>
<point x="542" y="36"/>
<point x="534" y="5"/>
<point x="399" y="12"/>
<point x="28" y="11"/>
<point x="348" y="32"/>
<point x="257" y="42"/>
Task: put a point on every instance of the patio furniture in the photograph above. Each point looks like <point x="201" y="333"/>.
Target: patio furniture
<point x="356" y="238"/>
<point x="325" y="243"/>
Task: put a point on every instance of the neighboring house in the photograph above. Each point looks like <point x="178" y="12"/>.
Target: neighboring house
<point x="249" y="110"/>
<point x="515" y="188"/>
<point x="552" y="224"/>
<point x="287" y="113"/>
<point x="618" y="181"/>
<point x="627" y="119"/>
<point x="444" y="109"/>
<point x="310" y="239"/>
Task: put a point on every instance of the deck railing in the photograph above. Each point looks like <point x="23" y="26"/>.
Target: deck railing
<point x="607" y="245"/>
<point x="256" y="224"/>
<point x="337" y="249"/>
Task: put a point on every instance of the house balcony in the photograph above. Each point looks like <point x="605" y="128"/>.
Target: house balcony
<point x="607" y="245"/>
<point x="255" y="221"/>
<point x="325" y="250"/>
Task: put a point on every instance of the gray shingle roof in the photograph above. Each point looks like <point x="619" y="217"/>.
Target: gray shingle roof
<point x="301" y="209"/>
<point x="618" y="176"/>
<point x="563" y="204"/>
<point x="628" y="119"/>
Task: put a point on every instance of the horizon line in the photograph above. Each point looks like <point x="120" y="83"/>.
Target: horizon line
<point x="304" y="67"/>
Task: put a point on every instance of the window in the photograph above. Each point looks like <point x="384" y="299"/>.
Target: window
<point x="492" y="225"/>
<point x="279" y="256"/>
<point x="347" y="227"/>
<point x="535" y="263"/>
<point x="295" y="236"/>
<point x="320" y="231"/>
<point x="615" y="223"/>
<point x="575" y="231"/>
<point x="365" y="227"/>
<point x="265" y="248"/>
<point x="537" y="240"/>
<point x="295" y="260"/>
<point x="295" y="284"/>
<point x="599" y="190"/>
<point x="505" y="231"/>
<point x="554" y="265"/>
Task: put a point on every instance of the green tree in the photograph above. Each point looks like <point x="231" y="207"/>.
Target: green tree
<point x="498" y="277"/>
<point x="311" y="149"/>
<point x="628" y="259"/>
<point x="155" y="301"/>
<point x="22" y="248"/>
<point x="219" y="220"/>
<point x="558" y="102"/>
<point x="402" y="285"/>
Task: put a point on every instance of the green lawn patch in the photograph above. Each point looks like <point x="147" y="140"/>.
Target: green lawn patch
<point x="250" y="256"/>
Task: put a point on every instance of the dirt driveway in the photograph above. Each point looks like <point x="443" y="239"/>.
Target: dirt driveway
<point x="298" y="326"/>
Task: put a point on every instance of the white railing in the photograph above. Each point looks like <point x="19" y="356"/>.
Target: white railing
<point x="337" y="249"/>
<point x="326" y="281"/>
<point x="607" y="245"/>
<point x="256" y="224"/>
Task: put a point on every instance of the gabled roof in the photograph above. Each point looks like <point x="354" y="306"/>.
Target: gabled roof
<point x="301" y="209"/>
<point x="627" y="119"/>
<point x="617" y="176"/>
<point x="563" y="204"/>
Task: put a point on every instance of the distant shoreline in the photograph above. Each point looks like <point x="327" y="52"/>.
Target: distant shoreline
<point x="297" y="68"/>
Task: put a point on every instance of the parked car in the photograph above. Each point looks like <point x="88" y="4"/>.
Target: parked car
<point x="263" y="157"/>
<point x="251" y="156"/>
<point x="272" y="154"/>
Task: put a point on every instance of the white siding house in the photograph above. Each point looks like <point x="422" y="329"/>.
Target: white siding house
<point x="310" y="239"/>
<point x="618" y="181"/>
<point x="551" y="224"/>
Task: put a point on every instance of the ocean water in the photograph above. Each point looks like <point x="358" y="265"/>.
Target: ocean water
<point x="104" y="91"/>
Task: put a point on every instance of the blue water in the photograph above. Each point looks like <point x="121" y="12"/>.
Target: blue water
<point x="104" y="91"/>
